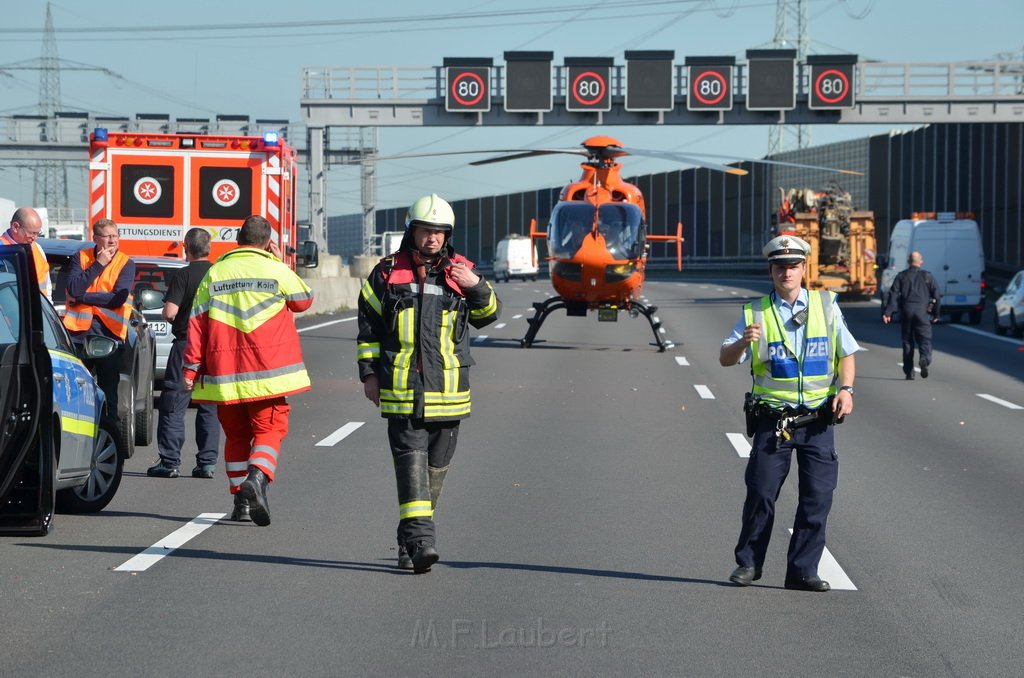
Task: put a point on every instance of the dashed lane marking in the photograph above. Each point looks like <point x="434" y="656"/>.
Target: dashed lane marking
<point x="999" y="401"/>
<point x="479" y="338"/>
<point x="739" y="443"/>
<point x="704" y="392"/>
<point x="155" y="553"/>
<point x="339" y="435"/>
<point x="680" y="360"/>
<point x="829" y="570"/>
<point x="332" y="322"/>
<point x="517" y="316"/>
<point x="499" y="326"/>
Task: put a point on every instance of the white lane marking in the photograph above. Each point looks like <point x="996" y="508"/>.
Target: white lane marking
<point x="991" y="335"/>
<point x="719" y="289"/>
<point x="734" y="292"/>
<point x="916" y="369"/>
<point x="499" y="326"/>
<point x="680" y="360"/>
<point x="704" y="392"/>
<point x="739" y="443"/>
<point x="339" y="435"/>
<point x="168" y="544"/>
<point x="479" y="338"/>
<point x="332" y="322"/>
<point x="517" y="316"/>
<point x="829" y="570"/>
<point x="999" y="401"/>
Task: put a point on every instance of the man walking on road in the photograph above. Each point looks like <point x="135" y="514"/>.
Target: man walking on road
<point x="413" y="357"/>
<point x="915" y="293"/>
<point x="802" y="364"/>
<point x="243" y="353"/>
<point x="174" y="399"/>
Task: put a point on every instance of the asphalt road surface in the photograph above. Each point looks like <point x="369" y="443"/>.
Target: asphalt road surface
<point x="586" y="527"/>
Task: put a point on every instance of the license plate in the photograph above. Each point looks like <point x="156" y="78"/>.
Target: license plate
<point x="160" y="329"/>
<point x="961" y="298"/>
<point x="608" y="315"/>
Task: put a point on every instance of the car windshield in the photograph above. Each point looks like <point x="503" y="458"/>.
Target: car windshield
<point x="619" y="223"/>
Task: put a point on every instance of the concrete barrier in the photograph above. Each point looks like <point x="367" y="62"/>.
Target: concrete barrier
<point x="335" y="287"/>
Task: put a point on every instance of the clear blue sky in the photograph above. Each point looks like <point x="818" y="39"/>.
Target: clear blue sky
<point x="225" y="57"/>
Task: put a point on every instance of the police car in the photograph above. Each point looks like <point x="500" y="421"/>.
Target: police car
<point x="1010" y="308"/>
<point x="57" y="450"/>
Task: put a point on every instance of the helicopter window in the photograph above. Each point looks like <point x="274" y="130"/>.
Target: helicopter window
<point x="620" y="224"/>
<point x="569" y="224"/>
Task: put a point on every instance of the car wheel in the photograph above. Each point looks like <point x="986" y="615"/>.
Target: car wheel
<point x="107" y="465"/>
<point x="974" y="317"/>
<point x="126" y="425"/>
<point x="144" y="419"/>
<point x="1000" y="330"/>
<point x="1018" y="330"/>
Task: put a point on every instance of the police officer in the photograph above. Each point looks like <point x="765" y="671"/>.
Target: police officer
<point x="916" y="294"/>
<point x="413" y="359"/>
<point x="802" y="364"/>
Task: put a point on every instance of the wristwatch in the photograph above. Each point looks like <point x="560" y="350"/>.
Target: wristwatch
<point x="848" y="389"/>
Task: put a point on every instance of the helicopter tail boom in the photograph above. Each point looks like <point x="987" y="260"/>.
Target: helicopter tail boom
<point x="678" y="239"/>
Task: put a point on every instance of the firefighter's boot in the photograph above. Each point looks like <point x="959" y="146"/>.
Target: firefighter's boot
<point x="240" y="514"/>
<point x="415" y="510"/>
<point x="436" y="483"/>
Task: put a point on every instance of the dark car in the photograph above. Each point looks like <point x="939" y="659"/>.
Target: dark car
<point x="138" y="367"/>
<point x="56" y="446"/>
<point x="155" y="273"/>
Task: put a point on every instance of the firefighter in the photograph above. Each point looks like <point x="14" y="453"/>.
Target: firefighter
<point x="802" y="364"/>
<point x="243" y="354"/>
<point x="26" y="227"/>
<point x="413" y="358"/>
<point x="99" y="302"/>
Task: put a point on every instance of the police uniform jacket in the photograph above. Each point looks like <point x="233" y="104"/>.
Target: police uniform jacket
<point x="414" y="335"/>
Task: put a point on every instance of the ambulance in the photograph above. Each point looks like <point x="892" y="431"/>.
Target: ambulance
<point x="158" y="186"/>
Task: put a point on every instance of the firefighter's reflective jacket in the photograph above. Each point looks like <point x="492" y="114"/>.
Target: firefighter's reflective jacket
<point x="415" y="336"/>
<point x="242" y="341"/>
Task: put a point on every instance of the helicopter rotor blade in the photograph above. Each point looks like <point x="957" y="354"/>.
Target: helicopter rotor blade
<point x="688" y="159"/>
<point x="527" y="154"/>
<point x="696" y="159"/>
<point x="516" y="153"/>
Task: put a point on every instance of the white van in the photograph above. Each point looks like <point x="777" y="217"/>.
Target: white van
<point x="515" y="257"/>
<point x="950" y="243"/>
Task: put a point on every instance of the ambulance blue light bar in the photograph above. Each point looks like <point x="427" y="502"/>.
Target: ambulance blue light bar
<point x="100" y="134"/>
<point x="270" y="138"/>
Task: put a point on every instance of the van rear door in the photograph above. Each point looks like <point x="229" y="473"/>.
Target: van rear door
<point x="964" y="265"/>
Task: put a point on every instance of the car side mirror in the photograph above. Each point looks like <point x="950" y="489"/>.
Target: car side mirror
<point x="308" y="254"/>
<point x="98" y="347"/>
<point x="149" y="299"/>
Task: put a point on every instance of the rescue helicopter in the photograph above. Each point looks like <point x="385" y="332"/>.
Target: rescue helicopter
<point x="597" y="233"/>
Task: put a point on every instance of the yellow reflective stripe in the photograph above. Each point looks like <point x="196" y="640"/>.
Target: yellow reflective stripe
<point x="448" y="357"/>
<point x="407" y="342"/>
<point x="433" y="397"/>
<point x="370" y="297"/>
<point x="445" y="411"/>
<point x="367" y="350"/>
<point x="395" y="408"/>
<point x="491" y="307"/>
<point x="76" y="426"/>
<point x="244" y="389"/>
<point x="415" y="509"/>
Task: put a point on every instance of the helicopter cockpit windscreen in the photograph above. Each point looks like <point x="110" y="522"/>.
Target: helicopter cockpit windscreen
<point x="619" y="223"/>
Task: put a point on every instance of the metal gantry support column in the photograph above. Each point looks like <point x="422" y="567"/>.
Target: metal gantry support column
<point x="368" y="186"/>
<point x="317" y="187"/>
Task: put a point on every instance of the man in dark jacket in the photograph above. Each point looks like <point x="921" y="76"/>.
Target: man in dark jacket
<point x="415" y="309"/>
<point x="915" y="293"/>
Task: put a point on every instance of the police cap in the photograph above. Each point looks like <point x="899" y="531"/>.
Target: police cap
<point x="786" y="249"/>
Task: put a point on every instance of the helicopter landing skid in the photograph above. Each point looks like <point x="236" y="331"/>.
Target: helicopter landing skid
<point x="545" y="308"/>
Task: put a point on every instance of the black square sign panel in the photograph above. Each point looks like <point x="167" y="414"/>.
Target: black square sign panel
<point x="770" y="85"/>
<point x="147" y="191"/>
<point x="225" y="193"/>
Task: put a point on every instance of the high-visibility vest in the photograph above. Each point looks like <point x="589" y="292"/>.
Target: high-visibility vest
<point x="78" y="317"/>
<point x="242" y="337"/>
<point x="782" y="379"/>
<point x="42" y="267"/>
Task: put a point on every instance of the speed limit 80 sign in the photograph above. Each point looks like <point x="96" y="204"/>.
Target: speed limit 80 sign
<point x="468" y="89"/>
<point x="710" y="88"/>
<point x="831" y="85"/>
<point x="588" y="87"/>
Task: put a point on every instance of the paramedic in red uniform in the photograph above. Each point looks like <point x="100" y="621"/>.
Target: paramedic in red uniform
<point x="243" y="354"/>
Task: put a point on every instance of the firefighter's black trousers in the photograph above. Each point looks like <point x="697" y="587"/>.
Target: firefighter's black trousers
<point x="421" y="452"/>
